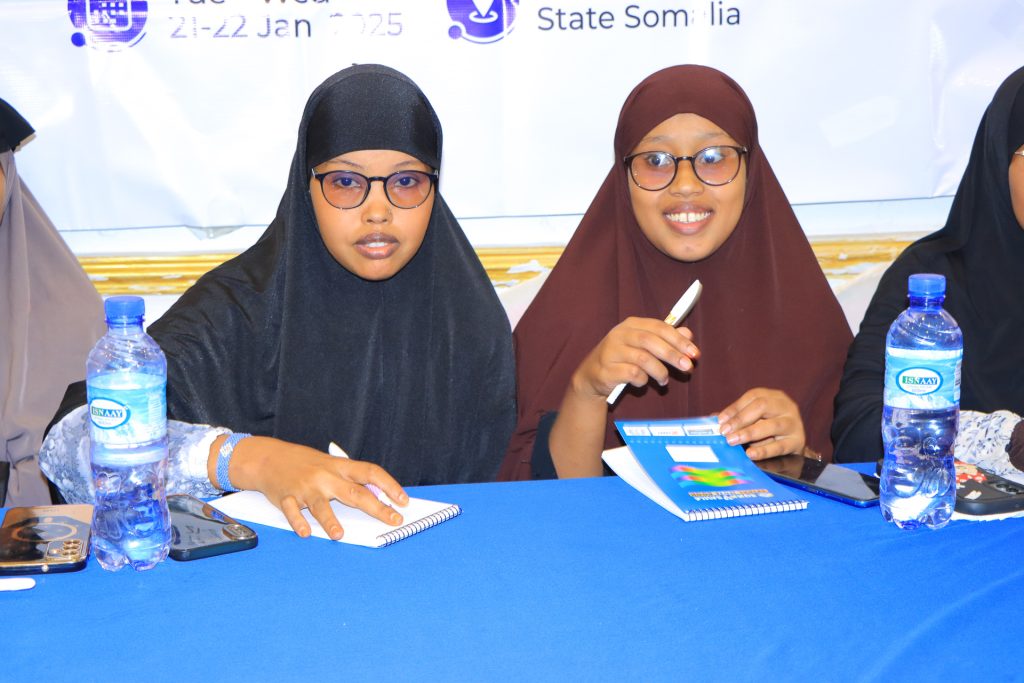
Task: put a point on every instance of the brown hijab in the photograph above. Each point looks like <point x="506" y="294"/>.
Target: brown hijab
<point x="766" y="318"/>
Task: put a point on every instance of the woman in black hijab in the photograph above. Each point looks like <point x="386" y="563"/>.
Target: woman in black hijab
<point x="362" y="316"/>
<point x="981" y="252"/>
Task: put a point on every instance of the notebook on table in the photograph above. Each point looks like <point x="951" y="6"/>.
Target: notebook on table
<point x="688" y="468"/>
<point x="360" y="528"/>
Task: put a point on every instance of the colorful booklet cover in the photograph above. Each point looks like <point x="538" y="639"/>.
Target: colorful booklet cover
<point x="688" y="467"/>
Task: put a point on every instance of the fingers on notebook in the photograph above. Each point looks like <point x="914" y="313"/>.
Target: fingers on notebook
<point x="376" y="475"/>
<point x="322" y="513"/>
<point x="357" y="495"/>
<point x="767" y="420"/>
<point x="293" y="513"/>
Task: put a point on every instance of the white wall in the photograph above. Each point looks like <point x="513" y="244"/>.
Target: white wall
<point x="867" y="108"/>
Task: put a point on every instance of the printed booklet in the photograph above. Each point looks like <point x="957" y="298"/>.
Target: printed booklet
<point x="688" y="468"/>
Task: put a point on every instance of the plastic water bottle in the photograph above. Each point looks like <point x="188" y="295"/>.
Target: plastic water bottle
<point x="126" y="376"/>
<point x="923" y="352"/>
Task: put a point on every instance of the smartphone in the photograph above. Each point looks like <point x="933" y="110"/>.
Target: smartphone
<point x="199" y="530"/>
<point x="44" y="539"/>
<point x="825" y="479"/>
<point x="980" y="492"/>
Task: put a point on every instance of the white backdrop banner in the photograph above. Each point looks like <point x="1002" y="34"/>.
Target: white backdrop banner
<point x="184" y="112"/>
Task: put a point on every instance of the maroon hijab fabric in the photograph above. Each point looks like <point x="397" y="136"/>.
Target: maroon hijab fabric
<point x="766" y="318"/>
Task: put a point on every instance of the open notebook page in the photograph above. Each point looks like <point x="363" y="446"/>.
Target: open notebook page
<point x="360" y="528"/>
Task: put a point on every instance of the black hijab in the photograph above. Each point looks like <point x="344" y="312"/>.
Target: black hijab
<point x="14" y="129"/>
<point x="981" y="252"/>
<point x="414" y="373"/>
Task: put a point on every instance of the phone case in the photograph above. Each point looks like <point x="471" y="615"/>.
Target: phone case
<point x="822" y="491"/>
<point x="45" y="539"/>
<point x="980" y="492"/>
<point x="199" y="530"/>
<point x="829" y="480"/>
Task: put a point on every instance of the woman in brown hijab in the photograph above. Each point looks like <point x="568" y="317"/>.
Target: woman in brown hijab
<point x="690" y="196"/>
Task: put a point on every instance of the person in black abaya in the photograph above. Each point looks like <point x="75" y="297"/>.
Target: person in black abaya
<point x="362" y="316"/>
<point x="981" y="252"/>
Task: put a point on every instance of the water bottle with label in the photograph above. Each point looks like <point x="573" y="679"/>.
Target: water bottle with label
<point x="923" y="352"/>
<point x="126" y="377"/>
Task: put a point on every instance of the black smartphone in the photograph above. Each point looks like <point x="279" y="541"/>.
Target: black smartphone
<point x="980" y="492"/>
<point x="825" y="479"/>
<point x="199" y="530"/>
<point x="45" y="538"/>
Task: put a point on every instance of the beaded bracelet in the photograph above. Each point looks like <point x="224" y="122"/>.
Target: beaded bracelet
<point x="224" y="459"/>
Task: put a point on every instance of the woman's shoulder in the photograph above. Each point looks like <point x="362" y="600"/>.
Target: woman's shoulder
<point x="224" y="298"/>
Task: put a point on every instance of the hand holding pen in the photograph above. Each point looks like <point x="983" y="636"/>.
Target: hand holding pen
<point x="660" y="351"/>
<point x="338" y="452"/>
<point x="636" y="351"/>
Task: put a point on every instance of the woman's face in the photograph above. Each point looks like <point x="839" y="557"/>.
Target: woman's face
<point x="1017" y="185"/>
<point x="376" y="239"/>
<point x="688" y="220"/>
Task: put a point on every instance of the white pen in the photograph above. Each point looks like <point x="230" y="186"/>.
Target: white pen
<point x="338" y="452"/>
<point x="20" y="583"/>
<point x="675" y="316"/>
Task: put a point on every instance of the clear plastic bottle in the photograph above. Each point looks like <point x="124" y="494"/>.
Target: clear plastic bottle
<point x="126" y="376"/>
<point x="923" y="353"/>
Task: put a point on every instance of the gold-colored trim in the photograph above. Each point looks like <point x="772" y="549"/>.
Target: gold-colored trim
<point x="839" y="258"/>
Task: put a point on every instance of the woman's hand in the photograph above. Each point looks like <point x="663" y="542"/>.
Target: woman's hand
<point x="767" y="421"/>
<point x="293" y="477"/>
<point x="636" y="351"/>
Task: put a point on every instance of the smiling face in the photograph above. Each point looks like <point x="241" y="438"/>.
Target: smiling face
<point x="1017" y="185"/>
<point x="376" y="239"/>
<point x="688" y="220"/>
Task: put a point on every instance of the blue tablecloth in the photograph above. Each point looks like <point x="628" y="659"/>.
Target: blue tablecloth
<point x="556" y="580"/>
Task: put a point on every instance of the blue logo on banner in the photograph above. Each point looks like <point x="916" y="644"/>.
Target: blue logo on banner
<point x="481" y="21"/>
<point x="107" y="24"/>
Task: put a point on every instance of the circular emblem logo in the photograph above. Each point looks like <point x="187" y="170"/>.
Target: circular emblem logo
<point x="107" y="414"/>
<point x="109" y="25"/>
<point x="919" y="381"/>
<point x="481" y="21"/>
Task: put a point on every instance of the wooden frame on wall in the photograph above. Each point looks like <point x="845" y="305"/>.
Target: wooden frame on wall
<point x="150" y="275"/>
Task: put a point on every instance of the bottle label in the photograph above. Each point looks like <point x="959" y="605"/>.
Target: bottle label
<point x="922" y="379"/>
<point x="123" y="416"/>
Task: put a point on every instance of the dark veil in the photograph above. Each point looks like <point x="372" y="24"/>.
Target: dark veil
<point x="414" y="373"/>
<point x="14" y="129"/>
<point x="980" y="250"/>
<point x="766" y="318"/>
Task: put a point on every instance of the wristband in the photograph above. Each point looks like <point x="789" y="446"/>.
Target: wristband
<point x="224" y="459"/>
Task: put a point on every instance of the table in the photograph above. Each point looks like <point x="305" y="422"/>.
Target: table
<point x="550" y="580"/>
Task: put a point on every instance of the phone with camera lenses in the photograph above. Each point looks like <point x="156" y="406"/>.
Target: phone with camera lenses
<point x="199" y="530"/>
<point x="44" y="539"/>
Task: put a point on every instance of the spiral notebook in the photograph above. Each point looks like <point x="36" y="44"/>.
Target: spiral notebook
<point x="688" y="468"/>
<point x="360" y="528"/>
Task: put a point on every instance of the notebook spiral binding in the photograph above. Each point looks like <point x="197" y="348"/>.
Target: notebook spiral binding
<point x="419" y="525"/>
<point x="747" y="509"/>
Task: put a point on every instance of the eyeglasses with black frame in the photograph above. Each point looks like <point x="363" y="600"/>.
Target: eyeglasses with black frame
<point x="348" y="189"/>
<point x="717" y="165"/>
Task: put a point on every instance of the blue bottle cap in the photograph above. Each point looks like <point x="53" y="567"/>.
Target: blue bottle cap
<point x="927" y="284"/>
<point x="118" y="307"/>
